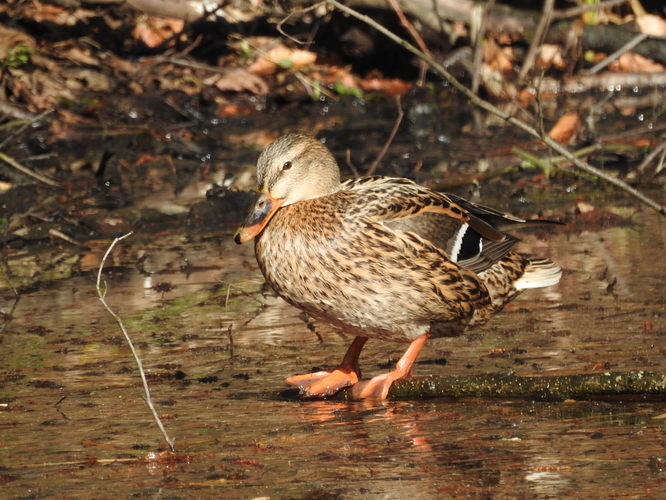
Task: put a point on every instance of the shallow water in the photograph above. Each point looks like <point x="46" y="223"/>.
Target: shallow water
<point x="217" y="348"/>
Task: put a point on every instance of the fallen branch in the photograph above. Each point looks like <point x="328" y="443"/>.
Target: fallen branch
<point x="477" y="101"/>
<point x="25" y="170"/>
<point x="101" y="294"/>
<point x="581" y="386"/>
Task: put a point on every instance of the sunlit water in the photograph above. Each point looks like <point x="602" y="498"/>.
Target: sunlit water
<point x="217" y="348"/>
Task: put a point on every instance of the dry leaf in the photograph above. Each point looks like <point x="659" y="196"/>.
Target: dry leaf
<point x="238" y="80"/>
<point x="86" y="79"/>
<point x="631" y="62"/>
<point x="550" y="55"/>
<point x="651" y="25"/>
<point x="10" y="38"/>
<point x="498" y="58"/>
<point x="391" y="86"/>
<point x="153" y="31"/>
<point x="566" y="128"/>
<point x="76" y="54"/>
<point x="277" y="56"/>
<point x="40" y="12"/>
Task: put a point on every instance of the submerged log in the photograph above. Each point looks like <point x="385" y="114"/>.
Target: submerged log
<point x="559" y="387"/>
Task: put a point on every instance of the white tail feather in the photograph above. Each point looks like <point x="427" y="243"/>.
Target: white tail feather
<point x="538" y="274"/>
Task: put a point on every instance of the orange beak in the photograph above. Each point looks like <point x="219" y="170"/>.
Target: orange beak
<point x="264" y="208"/>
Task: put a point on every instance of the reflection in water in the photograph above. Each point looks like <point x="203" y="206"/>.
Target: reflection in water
<point x="217" y="349"/>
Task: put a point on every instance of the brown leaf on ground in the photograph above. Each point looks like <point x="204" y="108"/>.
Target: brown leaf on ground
<point x="38" y="89"/>
<point x="238" y="80"/>
<point x="566" y="129"/>
<point x="121" y="65"/>
<point x="153" y="31"/>
<point x="651" y="25"/>
<point x="391" y="86"/>
<point x="10" y="38"/>
<point x="86" y="79"/>
<point x="273" y="56"/>
<point x="635" y="63"/>
<point x="335" y="74"/>
<point x="550" y="55"/>
<point x="75" y="53"/>
<point x="498" y="58"/>
<point x="40" y="12"/>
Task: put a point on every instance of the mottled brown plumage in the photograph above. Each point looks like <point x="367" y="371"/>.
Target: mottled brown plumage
<point x="379" y="257"/>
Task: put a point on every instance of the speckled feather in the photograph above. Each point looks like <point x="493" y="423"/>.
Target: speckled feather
<point x="375" y="256"/>
<point x="332" y="257"/>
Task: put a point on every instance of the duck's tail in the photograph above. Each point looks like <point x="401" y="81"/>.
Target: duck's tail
<point x="508" y="277"/>
<point x="539" y="273"/>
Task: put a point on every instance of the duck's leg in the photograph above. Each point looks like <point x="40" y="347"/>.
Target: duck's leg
<point x="378" y="387"/>
<point x="326" y="383"/>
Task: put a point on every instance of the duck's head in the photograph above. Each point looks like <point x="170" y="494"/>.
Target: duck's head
<point x="291" y="169"/>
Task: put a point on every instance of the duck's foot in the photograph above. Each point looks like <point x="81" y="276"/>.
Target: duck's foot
<point x="327" y="383"/>
<point x="375" y="388"/>
<point x="378" y="387"/>
<point x="323" y="383"/>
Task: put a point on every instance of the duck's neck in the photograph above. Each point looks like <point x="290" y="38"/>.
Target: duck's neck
<point x="307" y="191"/>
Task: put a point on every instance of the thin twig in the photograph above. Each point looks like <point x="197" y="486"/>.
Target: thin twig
<point x="576" y="11"/>
<point x="542" y="27"/>
<point x="415" y="35"/>
<point x="294" y="13"/>
<point x="59" y="234"/>
<point x="478" y="46"/>
<point x="25" y="170"/>
<point x="101" y="294"/>
<point x="396" y="126"/>
<point x="350" y="163"/>
<point x="24" y="126"/>
<point x="625" y="48"/>
<point x="409" y="26"/>
<point x="477" y="101"/>
<point x="650" y="157"/>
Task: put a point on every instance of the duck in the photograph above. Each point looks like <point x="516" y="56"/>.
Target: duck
<point x="379" y="258"/>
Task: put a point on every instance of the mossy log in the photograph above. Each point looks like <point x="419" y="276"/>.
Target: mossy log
<point x="580" y="386"/>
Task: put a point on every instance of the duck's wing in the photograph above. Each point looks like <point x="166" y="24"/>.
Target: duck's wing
<point x="386" y="199"/>
<point x="471" y="235"/>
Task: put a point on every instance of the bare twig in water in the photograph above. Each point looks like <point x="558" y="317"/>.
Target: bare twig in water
<point x="101" y="294"/>
<point x="396" y="126"/>
<point x="625" y="48"/>
<point x="59" y="234"/>
<point x="25" y="170"/>
<point x="477" y="101"/>
<point x="25" y="125"/>
<point x="542" y="27"/>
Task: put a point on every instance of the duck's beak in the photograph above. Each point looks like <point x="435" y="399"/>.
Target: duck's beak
<point x="264" y="208"/>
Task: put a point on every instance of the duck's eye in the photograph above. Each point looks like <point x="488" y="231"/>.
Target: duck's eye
<point x="286" y="165"/>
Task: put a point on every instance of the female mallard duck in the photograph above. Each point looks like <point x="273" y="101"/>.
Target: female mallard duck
<point x="378" y="257"/>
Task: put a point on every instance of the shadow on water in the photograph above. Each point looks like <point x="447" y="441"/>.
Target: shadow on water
<point x="217" y="347"/>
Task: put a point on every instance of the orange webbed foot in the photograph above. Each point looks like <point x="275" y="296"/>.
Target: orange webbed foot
<point x="376" y="388"/>
<point x="323" y="383"/>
